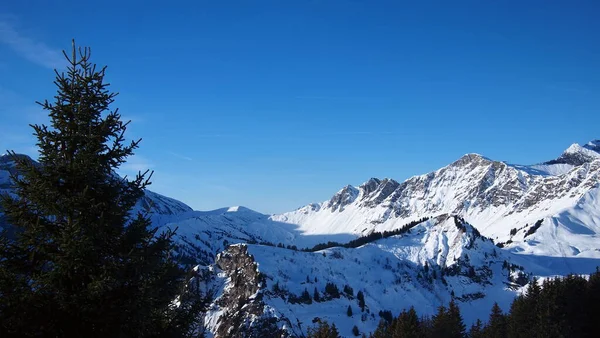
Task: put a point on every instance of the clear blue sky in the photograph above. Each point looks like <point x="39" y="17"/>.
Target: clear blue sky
<point x="275" y="104"/>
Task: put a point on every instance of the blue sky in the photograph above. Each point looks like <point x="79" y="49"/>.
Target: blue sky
<point x="275" y="104"/>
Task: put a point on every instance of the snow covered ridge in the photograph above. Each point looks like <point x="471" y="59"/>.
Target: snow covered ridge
<point x="495" y="197"/>
<point x="258" y="287"/>
<point x="577" y="155"/>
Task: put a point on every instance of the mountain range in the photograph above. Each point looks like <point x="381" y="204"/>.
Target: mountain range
<point x="477" y="231"/>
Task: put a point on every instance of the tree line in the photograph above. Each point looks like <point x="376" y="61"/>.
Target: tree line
<point x="559" y="307"/>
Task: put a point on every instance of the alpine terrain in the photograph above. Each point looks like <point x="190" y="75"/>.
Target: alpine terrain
<point x="477" y="231"/>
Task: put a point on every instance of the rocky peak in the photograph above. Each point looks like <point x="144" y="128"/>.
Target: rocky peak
<point x="577" y="155"/>
<point x="470" y="160"/>
<point x="593" y="145"/>
<point x="369" y="186"/>
<point x="342" y="198"/>
<point x="383" y="191"/>
<point x="242" y="305"/>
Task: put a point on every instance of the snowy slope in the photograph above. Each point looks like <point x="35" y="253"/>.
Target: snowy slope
<point x="422" y="268"/>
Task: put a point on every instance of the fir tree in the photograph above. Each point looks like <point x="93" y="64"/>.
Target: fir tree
<point x="407" y="325"/>
<point x="381" y="331"/>
<point x="457" y="326"/>
<point x="496" y="327"/>
<point x="305" y="298"/>
<point x="323" y="330"/>
<point x="349" y="311"/>
<point x="448" y="322"/>
<point x="332" y="290"/>
<point x="476" y="330"/>
<point x="355" y="331"/>
<point x="316" y="295"/>
<point x="361" y="300"/>
<point x="84" y="263"/>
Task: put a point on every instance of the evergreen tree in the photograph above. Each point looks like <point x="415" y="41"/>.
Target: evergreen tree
<point x="305" y="297"/>
<point x="323" y="330"/>
<point x="476" y="330"/>
<point x="355" y="331"/>
<point x="523" y="315"/>
<point x="407" y="325"/>
<point x="83" y="262"/>
<point x="457" y="326"/>
<point x="332" y="290"/>
<point x="316" y="295"/>
<point x="448" y="322"/>
<point x="592" y="302"/>
<point x="382" y="330"/>
<point x="348" y="291"/>
<point x="349" y="311"/>
<point x="439" y="322"/>
<point x="361" y="300"/>
<point x="496" y="327"/>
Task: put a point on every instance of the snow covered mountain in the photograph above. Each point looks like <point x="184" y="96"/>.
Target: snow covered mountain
<point x="577" y="155"/>
<point x="504" y="202"/>
<point x="494" y="225"/>
<point x="490" y="227"/>
<point x="266" y="288"/>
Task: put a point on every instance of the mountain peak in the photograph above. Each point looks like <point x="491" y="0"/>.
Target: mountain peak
<point x="593" y="145"/>
<point x="577" y="155"/>
<point x="470" y="159"/>
<point x="342" y="198"/>
<point x="369" y="186"/>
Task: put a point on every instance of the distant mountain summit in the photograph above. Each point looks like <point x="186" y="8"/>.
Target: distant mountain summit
<point x="577" y="155"/>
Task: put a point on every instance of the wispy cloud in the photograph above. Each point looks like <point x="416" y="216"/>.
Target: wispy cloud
<point x="30" y="49"/>
<point x="180" y="156"/>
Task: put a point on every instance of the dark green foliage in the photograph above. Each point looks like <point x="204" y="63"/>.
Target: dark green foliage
<point x="534" y="228"/>
<point x="305" y="297"/>
<point x="361" y="300"/>
<point x="497" y="326"/>
<point x="476" y="330"/>
<point x="316" y="295"/>
<point x="323" y="330"/>
<point x="407" y="325"/>
<point x="386" y="315"/>
<point x="348" y="291"/>
<point x="332" y="290"/>
<point x="513" y="231"/>
<point x="374" y="236"/>
<point x="83" y="264"/>
<point x="562" y="307"/>
<point x="448" y="322"/>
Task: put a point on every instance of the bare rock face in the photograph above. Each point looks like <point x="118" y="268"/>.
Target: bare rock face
<point x="242" y="300"/>
<point x="344" y="197"/>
